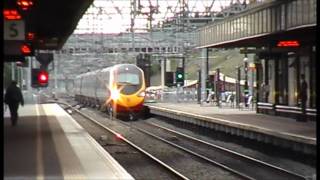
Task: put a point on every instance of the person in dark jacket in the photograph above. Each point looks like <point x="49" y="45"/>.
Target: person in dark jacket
<point x="13" y="98"/>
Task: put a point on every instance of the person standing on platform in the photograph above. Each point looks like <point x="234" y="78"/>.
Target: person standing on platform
<point x="13" y="98"/>
<point x="303" y="98"/>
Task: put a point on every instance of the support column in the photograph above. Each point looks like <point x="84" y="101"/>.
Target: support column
<point x="55" y="74"/>
<point x="168" y="65"/>
<point x="184" y="70"/>
<point x="266" y="79"/>
<point x="13" y="74"/>
<point x="218" y="86"/>
<point x="203" y="73"/>
<point x="28" y="81"/>
<point x="238" y="87"/>
<point x="20" y="77"/>
<point x="163" y="72"/>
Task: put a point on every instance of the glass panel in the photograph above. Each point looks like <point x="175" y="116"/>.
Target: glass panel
<point x="239" y="27"/>
<point x="223" y="34"/>
<point x="249" y="25"/>
<point x="305" y="70"/>
<point x="314" y="11"/>
<point x="222" y="31"/>
<point x="210" y="34"/>
<point x="278" y="18"/>
<point x="207" y="34"/>
<point x="218" y="32"/>
<point x="289" y="15"/>
<point x="245" y="25"/>
<point x="268" y="20"/>
<point x="283" y="77"/>
<point x="215" y="34"/>
<point x="128" y="78"/>
<point x="292" y="81"/>
<point x="294" y="13"/>
<point x="272" y="17"/>
<point x="313" y="78"/>
<point x="252" y="24"/>
<point x="283" y="15"/>
<point x="265" y="20"/>
<point x="271" y="84"/>
<point x="261" y="22"/>
<point x="234" y="28"/>
<point x="306" y="10"/>
<point x="227" y="31"/>
<point x="256" y="22"/>
<point x="231" y="28"/>
<point x="299" y="12"/>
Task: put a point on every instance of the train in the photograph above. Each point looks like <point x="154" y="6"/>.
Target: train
<point x="118" y="90"/>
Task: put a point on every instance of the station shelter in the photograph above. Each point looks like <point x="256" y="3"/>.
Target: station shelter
<point x="282" y="37"/>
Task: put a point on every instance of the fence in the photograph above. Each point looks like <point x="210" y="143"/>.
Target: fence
<point x="190" y="95"/>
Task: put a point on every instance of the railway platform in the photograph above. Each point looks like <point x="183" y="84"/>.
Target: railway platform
<point x="48" y="143"/>
<point x="279" y="131"/>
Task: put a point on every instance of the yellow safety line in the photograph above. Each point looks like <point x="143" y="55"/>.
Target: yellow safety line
<point x="39" y="152"/>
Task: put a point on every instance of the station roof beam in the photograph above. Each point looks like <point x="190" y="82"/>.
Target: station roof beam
<point x="52" y="22"/>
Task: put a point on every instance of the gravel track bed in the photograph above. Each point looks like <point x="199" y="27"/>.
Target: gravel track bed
<point x="186" y="164"/>
<point x="273" y="156"/>
<point x="136" y="164"/>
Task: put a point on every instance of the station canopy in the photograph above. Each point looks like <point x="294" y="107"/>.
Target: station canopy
<point x="51" y="21"/>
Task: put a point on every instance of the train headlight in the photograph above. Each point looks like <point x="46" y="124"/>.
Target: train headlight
<point x="142" y="94"/>
<point x="115" y="94"/>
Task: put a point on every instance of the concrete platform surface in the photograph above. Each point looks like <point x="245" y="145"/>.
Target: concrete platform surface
<point x="47" y="143"/>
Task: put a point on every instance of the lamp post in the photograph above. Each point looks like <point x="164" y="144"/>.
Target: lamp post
<point x="218" y="86"/>
<point x="238" y="90"/>
<point x="252" y="69"/>
<point x="245" y="60"/>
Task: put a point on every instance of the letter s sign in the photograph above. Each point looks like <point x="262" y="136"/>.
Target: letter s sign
<point x="14" y="30"/>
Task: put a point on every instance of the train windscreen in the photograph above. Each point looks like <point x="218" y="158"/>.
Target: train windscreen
<point x="128" y="79"/>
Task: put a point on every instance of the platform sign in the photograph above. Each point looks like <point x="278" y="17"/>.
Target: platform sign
<point x="14" y="30"/>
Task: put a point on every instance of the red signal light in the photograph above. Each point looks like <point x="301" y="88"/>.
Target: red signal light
<point x="11" y="14"/>
<point x="30" y="36"/>
<point x="25" y="49"/>
<point x="292" y="43"/>
<point x="43" y="77"/>
<point x="25" y="4"/>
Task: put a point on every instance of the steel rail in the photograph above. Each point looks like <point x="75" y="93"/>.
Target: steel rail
<point x="172" y="170"/>
<point x="194" y="153"/>
<point x="248" y="158"/>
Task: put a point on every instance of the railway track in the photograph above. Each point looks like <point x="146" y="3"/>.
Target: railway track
<point x="248" y="167"/>
<point x="169" y="171"/>
<point x="179" y="164"/>
<point x="241" y="165"/>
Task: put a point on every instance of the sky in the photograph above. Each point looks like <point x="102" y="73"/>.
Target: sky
<point x="113" y="16"/>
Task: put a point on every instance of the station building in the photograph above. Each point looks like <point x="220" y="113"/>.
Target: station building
<point x="282" y="35"/>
